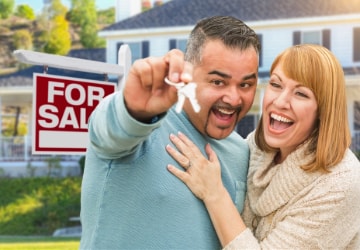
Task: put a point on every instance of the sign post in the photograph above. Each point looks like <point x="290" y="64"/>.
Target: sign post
<point x="62" y="105"/>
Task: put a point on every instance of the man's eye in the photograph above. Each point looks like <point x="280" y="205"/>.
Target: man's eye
<point x="245" y="85"/>
<point x="217" y="82"/>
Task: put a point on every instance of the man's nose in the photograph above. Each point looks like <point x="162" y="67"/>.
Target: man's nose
<point x="232" y="96"/>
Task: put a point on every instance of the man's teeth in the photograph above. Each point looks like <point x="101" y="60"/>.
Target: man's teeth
<point x="280" y="118"/>
<point x="226" y="112"/>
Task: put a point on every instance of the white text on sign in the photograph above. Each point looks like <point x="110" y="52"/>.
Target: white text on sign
<point x="50" y="113"/>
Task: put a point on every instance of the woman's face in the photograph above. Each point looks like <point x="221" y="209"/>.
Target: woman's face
<point x="289" y="113"/>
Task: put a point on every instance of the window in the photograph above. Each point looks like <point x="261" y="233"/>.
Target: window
<point x="357" y="115"/>
<point x="356" y="45"/>
<point x="321" y="37"/>
<point x="178" y="44"/>
<point x="247" y="125"/>
<point x="261" y="50"/>
<point x="138" y="49"/>
<point x="313" y="37"/>
<point x="355" y="141"/>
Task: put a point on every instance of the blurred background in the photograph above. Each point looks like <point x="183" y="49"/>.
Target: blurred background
<point x="40" y="194"/>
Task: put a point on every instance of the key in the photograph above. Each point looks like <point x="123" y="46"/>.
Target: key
<point x="185" y="91"/>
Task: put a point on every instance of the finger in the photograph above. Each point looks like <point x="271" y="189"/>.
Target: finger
<point x="181" y="146"/>
<point x="181" y="159"/>
<point x="188" y="143"/>
<point x="179" y="69"/>
<point x="183" y="176"/>
<point x="158" y="71"/>
<point x="141" y="71"/>
<point x="186" y="75"/>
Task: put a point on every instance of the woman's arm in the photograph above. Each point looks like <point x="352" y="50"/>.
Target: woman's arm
<point x="315" y="218"/>
<point x="203" y="177"/>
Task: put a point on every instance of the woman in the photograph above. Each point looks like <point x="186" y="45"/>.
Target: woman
<point x="303" y="180"/>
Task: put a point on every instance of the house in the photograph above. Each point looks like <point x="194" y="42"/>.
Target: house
<point x="279" y="24"/>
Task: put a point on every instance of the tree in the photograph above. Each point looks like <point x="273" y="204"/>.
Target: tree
<point x="83" y="14"/>
<point x="56" y="37"/>
<point x="59" y="40"/>
<point x="106" y="17"/>
<point x="145" y="5"/>
<point x="22" y="39"/>
<point x="25" y="11"/>
<point x="6" y="8"/>
<point x="55" y="8"/>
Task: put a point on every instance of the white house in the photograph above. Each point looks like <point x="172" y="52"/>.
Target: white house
<point x="334" y="24"/>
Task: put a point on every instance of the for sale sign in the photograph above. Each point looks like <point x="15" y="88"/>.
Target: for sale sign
<point x="61" y="109"/>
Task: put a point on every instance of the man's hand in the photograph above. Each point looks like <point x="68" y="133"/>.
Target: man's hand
<point x="146" y="93"/>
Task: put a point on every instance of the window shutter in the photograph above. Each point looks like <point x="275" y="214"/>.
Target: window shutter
<point x="356" y="45"/>
<point x="260" y="37"/>
<point x="326" y="38"/>
<point x="246" y="125"/>
<point x="145" y="49"/>
<point x="296" y="37"/>
<point x="172" y="44"/>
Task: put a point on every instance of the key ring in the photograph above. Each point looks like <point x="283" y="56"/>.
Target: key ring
<point x="185" y="91"/>
<point x="175" y="84"/>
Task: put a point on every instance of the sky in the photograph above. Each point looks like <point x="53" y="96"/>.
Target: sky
<point x="38" y="4"/>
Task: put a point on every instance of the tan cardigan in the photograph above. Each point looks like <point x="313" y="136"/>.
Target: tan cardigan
<point x="288" y="208"/>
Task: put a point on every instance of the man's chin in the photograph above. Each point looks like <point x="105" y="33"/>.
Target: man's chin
<point x="219" y="133"/>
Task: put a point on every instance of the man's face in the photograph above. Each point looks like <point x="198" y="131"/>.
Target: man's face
<point x="226" y="85"/>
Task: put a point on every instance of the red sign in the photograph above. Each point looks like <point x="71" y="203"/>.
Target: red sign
<point x="61" y="109"/>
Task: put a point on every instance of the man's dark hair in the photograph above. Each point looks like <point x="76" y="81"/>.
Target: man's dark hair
<point x="231" y="31"/>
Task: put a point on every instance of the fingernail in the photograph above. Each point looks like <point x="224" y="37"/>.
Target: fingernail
<point x="186" y="77"/>
<point x="175" y="77"/>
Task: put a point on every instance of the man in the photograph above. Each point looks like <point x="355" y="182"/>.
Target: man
<point x="129" y="199"/>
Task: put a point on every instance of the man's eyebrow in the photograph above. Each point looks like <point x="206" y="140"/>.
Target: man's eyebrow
<point x="252" y="76"/>
<point x="224" y="75"/>
<point x="219" y="73"/>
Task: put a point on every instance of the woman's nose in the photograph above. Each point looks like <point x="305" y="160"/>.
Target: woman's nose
<point x="282" y="100"/>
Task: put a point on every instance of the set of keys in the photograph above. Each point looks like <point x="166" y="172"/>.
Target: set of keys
<point x="185" y="90"/>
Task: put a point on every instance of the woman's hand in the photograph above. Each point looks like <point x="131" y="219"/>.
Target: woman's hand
<point x="201" y="175"/>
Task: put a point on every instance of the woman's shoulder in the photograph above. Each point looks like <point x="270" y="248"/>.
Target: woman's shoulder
<point x="345" y="176"/>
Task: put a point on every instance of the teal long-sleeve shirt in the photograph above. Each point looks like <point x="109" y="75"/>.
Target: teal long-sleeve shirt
<point x="130" y="201"/>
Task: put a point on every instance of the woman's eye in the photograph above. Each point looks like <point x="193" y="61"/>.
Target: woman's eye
<point x="302" y="94"/>
<point x="275" y="85"/>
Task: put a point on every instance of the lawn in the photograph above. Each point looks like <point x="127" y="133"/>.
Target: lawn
<point x="38" y="243"/>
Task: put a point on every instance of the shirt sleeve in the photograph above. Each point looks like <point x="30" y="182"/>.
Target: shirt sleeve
<point x="113" y="132"/>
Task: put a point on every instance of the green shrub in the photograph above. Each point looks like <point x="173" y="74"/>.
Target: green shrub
<point x="357" y="153"/>
<point x="38" y="206"/>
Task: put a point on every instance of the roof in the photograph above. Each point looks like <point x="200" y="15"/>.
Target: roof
<point x="188" y="12"/>
<point x="23" y="78"/>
